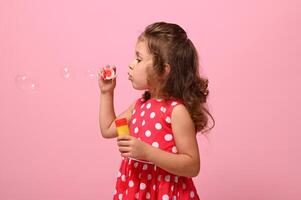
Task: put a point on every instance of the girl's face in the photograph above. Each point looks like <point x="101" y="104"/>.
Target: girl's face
<point x="138" y="67"/>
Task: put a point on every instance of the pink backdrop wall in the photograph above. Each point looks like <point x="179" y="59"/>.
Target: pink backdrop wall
<point x="50" y="144"/>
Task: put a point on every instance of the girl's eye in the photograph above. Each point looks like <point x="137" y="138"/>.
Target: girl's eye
<point x="138" y="60"/>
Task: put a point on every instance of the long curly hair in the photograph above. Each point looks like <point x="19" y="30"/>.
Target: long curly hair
<point x="168" y="44"/>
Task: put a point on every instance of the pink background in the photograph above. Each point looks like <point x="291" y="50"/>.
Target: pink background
<point x="50" y="144"/>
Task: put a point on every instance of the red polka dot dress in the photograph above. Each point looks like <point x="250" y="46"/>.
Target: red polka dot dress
<point x="151" y="123"/>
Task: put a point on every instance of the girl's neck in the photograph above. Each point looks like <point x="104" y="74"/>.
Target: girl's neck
<point x="156" y="96"/>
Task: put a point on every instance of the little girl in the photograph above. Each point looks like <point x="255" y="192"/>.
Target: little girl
<point x="160" y="156"/>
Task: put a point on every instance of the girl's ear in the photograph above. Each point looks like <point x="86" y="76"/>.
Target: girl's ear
<point x="166" y="69"/>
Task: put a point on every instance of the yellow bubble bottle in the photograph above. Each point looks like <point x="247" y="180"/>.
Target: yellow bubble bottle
<point x="122" y="127"/>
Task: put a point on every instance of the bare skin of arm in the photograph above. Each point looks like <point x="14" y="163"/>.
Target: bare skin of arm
<point x="107" y="114"/>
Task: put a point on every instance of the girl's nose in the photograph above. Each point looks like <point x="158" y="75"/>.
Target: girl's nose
<point x="132" y="64"/>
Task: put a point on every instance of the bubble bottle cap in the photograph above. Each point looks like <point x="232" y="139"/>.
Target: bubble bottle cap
<point x="121" y="122"/>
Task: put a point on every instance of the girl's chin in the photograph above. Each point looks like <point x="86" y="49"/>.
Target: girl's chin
<point x="139" y="87"/>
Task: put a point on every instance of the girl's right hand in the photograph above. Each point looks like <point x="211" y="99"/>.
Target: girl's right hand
<point x="106" y="86"/>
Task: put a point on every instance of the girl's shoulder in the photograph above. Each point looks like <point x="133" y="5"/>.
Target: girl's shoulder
<point x="139" y="101"/>
<point x="174" y="102"/>
<point x="171" y="104"/>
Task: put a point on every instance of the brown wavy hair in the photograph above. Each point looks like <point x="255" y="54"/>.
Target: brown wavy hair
<point x="168" y="44"/>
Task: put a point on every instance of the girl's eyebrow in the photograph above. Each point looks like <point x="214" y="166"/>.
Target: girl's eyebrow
<point x="138" y="53"/>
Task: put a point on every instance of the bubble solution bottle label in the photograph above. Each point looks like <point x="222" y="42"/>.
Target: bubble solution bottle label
<point x="122" y="126"/>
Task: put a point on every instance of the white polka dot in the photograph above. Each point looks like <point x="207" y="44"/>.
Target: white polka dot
<point x="142" y="113"/>
<point x="159" y="178"/>
<point x="174" y="149"/>
<point x="154" y="187"/>
<point x="119" y="174"/>
<point x="136" y="164"/>
<point x="152" y="115"/>
<point x="115" y="191"/>
<point x="143" y="122"/>
<point x="120" y="196"/>
<point x="184" y="186"/>
<point x="163" y="109"/>
<point x="176" y="179"/>
<point x="174" y="197"/>
<point x="167" y="178"/>
<point x="144" y="167"/>
<point x="126" y="191"/>
<point x="136" y="130"/>
<point x="174" y="103"/>
<point x="130" y="172"/>
<point x="191" y="194"/>
<point x="134" y="111"/>
<point x="171" y="188"/>
<point x="134" y="121"/>
<point x="148" y="195"/>
<point x="142" y="186"/>
<point x="158" y="126"/>
<point x="148" y="105"/>
<point x="123" y="178"/>
<point x="165" y="197"/>
<point x="168" y="120"/>
<point x="131" y="183"/>
<point x="137" y="195"/>
<point x="148" y="133"/>
<point x="155" y="144"/>
<point x="149" y="177"/>
<point x="168" y="137"/>
<point x="159" y="100"/>
<point x="142" y="106"/>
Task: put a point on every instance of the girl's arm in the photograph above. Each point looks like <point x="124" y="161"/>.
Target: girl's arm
<point x="187" y="161"/>
<point x="107" y="115"/>
<point x="106" y="109"/>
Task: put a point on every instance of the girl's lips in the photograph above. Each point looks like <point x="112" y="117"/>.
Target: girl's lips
<point x="130" y="77"/>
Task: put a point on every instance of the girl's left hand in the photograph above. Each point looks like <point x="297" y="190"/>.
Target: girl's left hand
<point x="130" y="146"/>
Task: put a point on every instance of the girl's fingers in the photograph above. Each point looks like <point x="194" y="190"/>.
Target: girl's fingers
<point x="123" y="143"/>
<point x="100" y="72"/>
<point x="124" y="149"/>
<point x="124" y="137"/>
<point x="126" y="154"/>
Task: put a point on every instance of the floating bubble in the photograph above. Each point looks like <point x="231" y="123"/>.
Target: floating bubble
<point x="92" y="73"/>
<point x="66" y="72"/>
<point x="25" y="83"/>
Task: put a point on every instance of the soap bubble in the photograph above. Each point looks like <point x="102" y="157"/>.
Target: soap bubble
<point x="92" y="73"/>
<point x="66" y="72"/>
<point x="25" y="83"/>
